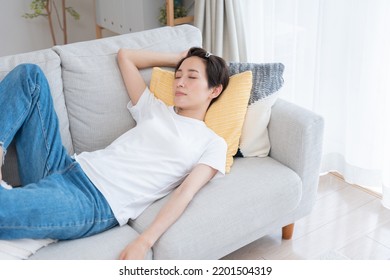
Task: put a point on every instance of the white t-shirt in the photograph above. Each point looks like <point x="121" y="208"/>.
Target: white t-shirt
<point x="148" y="161"/>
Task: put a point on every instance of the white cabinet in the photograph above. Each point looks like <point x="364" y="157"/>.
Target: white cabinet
<point x="124" y="16"/>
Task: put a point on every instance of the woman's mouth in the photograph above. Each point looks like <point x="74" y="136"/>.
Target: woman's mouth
<point x="179" y="93"/>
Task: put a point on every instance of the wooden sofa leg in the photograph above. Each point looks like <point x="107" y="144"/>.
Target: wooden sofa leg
<point x="287" y="231"/>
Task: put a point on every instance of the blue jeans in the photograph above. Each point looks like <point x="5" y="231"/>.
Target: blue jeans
<point x="57" y="200"/>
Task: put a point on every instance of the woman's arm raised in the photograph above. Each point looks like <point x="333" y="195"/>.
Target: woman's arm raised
<point x="131" y="61"/>
<point x="171" y="211"/>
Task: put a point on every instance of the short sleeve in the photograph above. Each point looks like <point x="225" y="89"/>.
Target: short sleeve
<point x="215" y="155"/>
<point x="144" y="106"/>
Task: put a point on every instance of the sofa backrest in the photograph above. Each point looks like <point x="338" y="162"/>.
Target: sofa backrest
<point x="95" y="95"/>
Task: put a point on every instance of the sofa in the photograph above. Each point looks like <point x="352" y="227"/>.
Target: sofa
<point x="258" y="196"/>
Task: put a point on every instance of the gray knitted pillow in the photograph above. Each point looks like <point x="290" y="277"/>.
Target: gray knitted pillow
<point x="267" y="80"/>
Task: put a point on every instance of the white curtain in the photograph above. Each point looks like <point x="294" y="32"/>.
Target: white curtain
<point x="337" y="63"/>
<point x="222" y="26"/>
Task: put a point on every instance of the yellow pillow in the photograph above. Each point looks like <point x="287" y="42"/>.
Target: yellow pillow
<point x="225" y="116"/>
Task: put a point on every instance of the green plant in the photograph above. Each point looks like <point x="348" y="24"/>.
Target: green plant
<point x="178" y="11"/>
<point x="45" y="9"/>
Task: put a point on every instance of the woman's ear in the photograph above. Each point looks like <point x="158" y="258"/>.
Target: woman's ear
<point x="216" y="91"/>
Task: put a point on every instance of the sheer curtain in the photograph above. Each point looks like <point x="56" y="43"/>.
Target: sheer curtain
<point x="337" y="63"/>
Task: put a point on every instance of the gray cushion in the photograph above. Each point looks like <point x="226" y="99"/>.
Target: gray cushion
<point x="234" y="207"/>
<point x="50" y="64"/>
<point x="267" y="78"/>
<point x="94" y="90"/>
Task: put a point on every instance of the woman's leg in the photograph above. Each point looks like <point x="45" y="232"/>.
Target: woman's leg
<point x="64" y="205"/>
<point x="1" y="161"/>
<point x="58" y="200"/>
<point x="28" y="117"/>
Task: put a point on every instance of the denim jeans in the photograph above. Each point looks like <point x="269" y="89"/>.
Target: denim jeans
<point x="57" y="200"/>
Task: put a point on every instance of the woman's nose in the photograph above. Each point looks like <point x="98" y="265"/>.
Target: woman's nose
<point x="180" y="82"/>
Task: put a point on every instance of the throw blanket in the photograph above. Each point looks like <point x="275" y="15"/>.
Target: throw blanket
<point x="20" y="249"/>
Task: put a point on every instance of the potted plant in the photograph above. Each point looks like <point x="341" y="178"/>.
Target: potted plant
<point x="49" y="9"/>
<point x="179" y="11"/>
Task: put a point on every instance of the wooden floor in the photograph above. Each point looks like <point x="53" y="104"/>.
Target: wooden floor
<point x="347" y="222"/>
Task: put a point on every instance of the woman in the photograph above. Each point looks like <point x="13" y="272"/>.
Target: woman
<point x="169" y="148"/>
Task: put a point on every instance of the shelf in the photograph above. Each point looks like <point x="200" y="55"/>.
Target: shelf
<point x="171" y="20"/>
<point x="124" y="16"/>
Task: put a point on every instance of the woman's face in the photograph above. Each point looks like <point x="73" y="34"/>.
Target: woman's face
<point x="191" y="85"/>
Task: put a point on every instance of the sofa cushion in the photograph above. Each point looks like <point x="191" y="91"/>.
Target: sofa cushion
<point x="267" y="80"/>
<point x="235" y="207"/>
<point x="225" y="116"/>
<point x="104" y="246"/>
<point x="94" y="91"/>
<point x="50" y="63"/>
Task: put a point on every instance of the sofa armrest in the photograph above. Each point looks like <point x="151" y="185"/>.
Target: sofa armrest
<point x="296" y="141"/>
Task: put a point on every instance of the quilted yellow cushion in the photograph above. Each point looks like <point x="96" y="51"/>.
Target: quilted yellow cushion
<point x="225" y="116"/>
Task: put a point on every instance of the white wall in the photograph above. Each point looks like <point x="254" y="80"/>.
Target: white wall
<point x="18" y="35"/>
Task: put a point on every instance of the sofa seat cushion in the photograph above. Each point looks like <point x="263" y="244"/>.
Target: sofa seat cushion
<point x="257" y="192"/>
<point x="105" y="246"/>
<point x="50" y="64"/>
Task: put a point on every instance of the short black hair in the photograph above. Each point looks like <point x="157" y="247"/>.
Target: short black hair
<point x="217" y="70"/>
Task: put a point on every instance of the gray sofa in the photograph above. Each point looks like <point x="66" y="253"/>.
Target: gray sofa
<point x="258" y="196"/>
